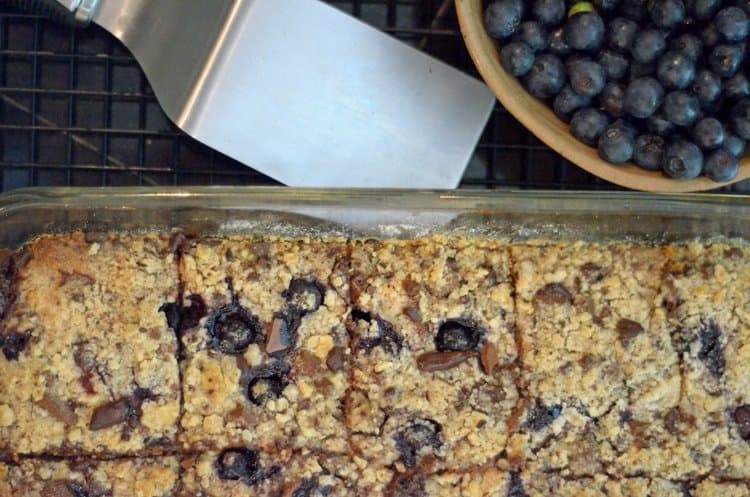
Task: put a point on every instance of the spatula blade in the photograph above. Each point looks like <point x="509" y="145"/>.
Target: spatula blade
<point x="313" y="97"/>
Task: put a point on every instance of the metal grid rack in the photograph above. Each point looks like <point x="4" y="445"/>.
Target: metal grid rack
<point x="75" y="109"/>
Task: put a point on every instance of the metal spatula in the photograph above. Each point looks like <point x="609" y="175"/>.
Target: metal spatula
<point x="297" y="89"/>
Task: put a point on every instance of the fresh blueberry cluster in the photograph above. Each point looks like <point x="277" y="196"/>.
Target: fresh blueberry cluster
<point x="661" y="83"/>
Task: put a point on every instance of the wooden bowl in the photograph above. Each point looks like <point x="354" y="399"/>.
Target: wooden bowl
<point x="540" y="120"/>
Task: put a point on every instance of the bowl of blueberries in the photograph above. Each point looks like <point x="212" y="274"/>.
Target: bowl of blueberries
<point x="652" y="95"/>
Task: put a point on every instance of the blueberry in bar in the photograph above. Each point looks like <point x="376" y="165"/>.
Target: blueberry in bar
<point x="239" y="471"/>
<point x="158" y="366"/>
<point x="433" y="358"/>
<point x="265" y="344"/>
<point x="707" y="293"/>
<point x="87" y="359"/>
<point x="597" y="363"/>
<point x="135" y="477"/>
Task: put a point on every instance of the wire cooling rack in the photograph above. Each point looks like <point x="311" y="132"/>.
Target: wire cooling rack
<point x="75" y="109"/>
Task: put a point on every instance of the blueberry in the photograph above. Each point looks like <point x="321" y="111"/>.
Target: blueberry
<point x="681" y="108"/>
<point x="657" y="125"/>
<point x="612" y="100"/>
<point x="240" y="464"/>
<point x="733" y="144"/>
<point x="13" y="343"/>
<point x="533" y="34"/>
<point x="416" y="436"/>
<point x="740" y="118"/>
<point x="557" y="44"/>
<point x="633" y="9"/>
<point x="708" y="133"/>
<point x="304" y="294"/>
<point x="567" y="102"/>
<point x="626" y="126"/>
<point x="546" y="78"/>
<point x="587" y="78"/>
<point x="517" y="58"/>
<point x="267" y="383"/>
<point x="606" y="5"/>
<point x="621" y="34"/>
<point x="615" y="65"/>
<point x="688" y="45"/>
<point x="585" y="31"/>
<point x="642" y="97"/>
<point x="75" y="490"/>
<point x="675" y="71"/>
<point x="575" y="59"/>
<point x="725" y="60"/>
<point x="366" y="339"/>
<point x="682" y="160"/>
<point x="704" y="9"/>
<point x="648" y="46"/>
<point x="737" y="86"/>
<point x="732" y="23"/>
<point x="711" y="351"/>
<point x="233" y="328"/>
<point x="707" y="87"/>
<point x="458" y="335"/>
<point x="710" y="36"/>
<point x="549" y="12"/>
<point x="502" y="18"/>
<point x="649" y="152"/>
<point x="587" y="124"/>
<point x="173" y="312"/>
<point x="616" y="145"/>
<point x="721" y="166"/>
<point x="667" y="13"/>
<point x="191" y="315"/>
<point x="541" y="416"/>
<point x="640" y="70"/>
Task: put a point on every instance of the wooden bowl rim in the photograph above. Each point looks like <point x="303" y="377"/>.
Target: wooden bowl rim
<point x="543" y="123"/>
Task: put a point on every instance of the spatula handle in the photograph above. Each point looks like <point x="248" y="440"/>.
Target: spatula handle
<point x="68" y="12"/>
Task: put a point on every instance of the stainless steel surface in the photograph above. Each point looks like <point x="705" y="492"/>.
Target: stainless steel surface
<point x="86" y="9"/>
<point x="517" y="215"/>
<point x="303" y="92"/>
<point x="83" y="10"/>
<point x="71" y="5"/>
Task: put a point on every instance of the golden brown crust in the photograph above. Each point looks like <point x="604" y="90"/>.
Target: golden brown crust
<point x="98" y="371"/>
<point x="436" y="367"/>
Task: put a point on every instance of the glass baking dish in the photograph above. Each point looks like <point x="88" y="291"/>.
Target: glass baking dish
<point x="517" y="215"/>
